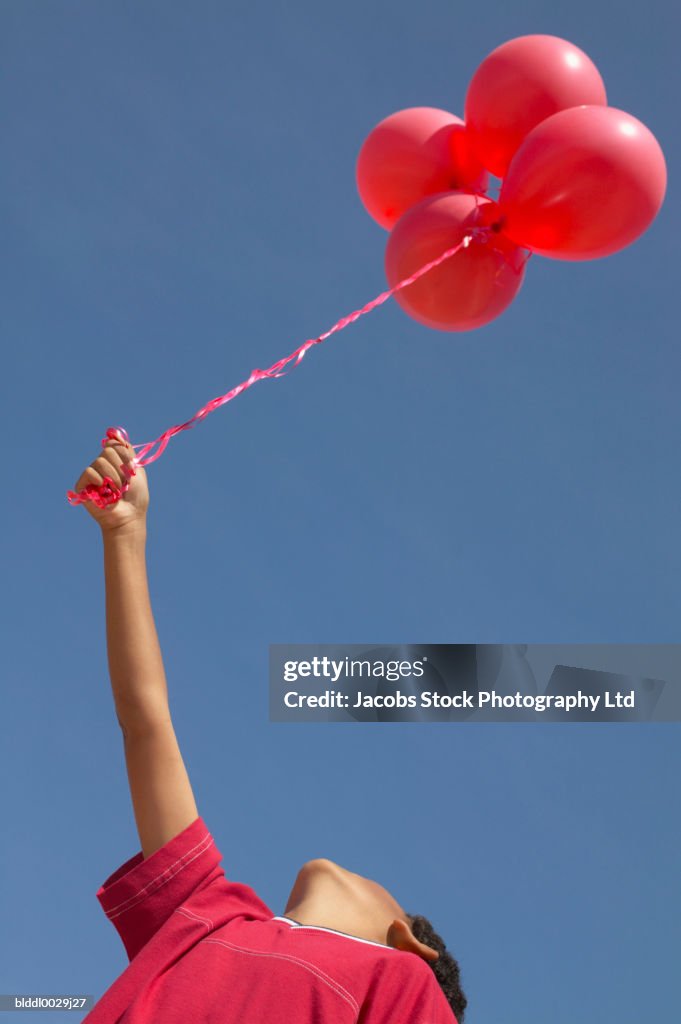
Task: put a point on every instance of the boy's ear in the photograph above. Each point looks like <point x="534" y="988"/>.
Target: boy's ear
<point x="400" y="936"/>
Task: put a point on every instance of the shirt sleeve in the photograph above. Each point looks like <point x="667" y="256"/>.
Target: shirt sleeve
<point x="142" y="894"/>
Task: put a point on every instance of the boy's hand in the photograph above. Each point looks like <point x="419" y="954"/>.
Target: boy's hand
<point x="130" y="510"/>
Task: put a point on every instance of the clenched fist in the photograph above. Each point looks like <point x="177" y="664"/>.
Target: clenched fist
<point x="117" y="462"/>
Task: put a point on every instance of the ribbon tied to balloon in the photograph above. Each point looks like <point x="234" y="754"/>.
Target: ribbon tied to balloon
<point x="579" y="180"/>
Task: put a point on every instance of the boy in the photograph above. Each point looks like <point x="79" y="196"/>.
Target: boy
<point x="202" y="948"/>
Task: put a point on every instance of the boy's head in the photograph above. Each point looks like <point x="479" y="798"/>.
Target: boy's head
<point x="328" y="895"/>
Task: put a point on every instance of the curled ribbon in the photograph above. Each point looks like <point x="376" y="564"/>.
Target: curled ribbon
<point x="108" y="493"/>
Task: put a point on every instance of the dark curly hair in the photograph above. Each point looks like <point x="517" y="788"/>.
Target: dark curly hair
<point x="445" y="968"/>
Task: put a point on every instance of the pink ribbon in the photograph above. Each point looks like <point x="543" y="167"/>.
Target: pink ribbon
<point x="108" y="493"/>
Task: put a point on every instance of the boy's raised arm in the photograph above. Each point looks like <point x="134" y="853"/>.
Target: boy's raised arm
<point x="162" y="796"/>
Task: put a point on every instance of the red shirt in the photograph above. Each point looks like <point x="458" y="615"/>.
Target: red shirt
<point x="204" y="949"/>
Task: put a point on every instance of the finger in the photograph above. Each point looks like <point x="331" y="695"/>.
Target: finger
<point x="113" y="454"/>
<point x="107" y="465"/>
<point x="119" y="440"/>
<point x="90" y="477"/>
<point x="125" y="452"/>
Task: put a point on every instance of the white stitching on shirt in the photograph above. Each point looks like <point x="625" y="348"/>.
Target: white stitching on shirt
<point x="188" y="913"/>
<point x="121" y="908"/>
<point x="331" y="982"/>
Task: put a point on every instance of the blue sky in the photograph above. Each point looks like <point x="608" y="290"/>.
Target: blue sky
<point x="178" y="207"/>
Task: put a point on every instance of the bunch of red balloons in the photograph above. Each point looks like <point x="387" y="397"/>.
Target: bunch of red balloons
<point x="580" y="180"/>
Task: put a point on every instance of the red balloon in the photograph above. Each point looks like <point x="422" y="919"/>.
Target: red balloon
<point x="520" y="84"/>
<point x="585" y="183"/>
<point x="412" y="154"/>
<point x="468" y="289"/>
